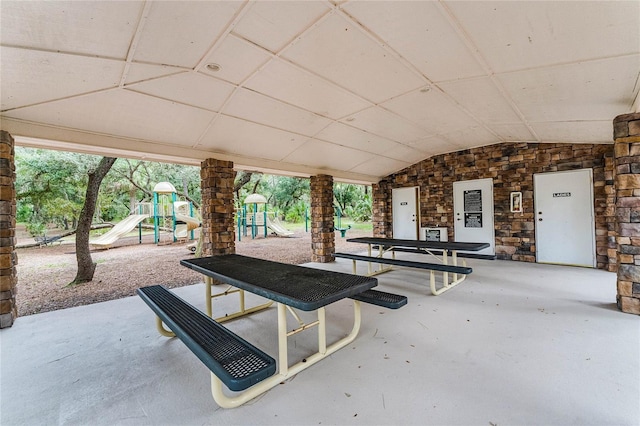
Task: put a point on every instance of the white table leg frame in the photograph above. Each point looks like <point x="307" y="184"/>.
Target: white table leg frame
<point x="445" y="275"/>
<point x="208" y="283"/>
<point x="285" y="370"/>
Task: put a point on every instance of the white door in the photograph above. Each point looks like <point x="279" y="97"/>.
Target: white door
<point x="564" y="218"/>
<point x="473" y="213"/>
<point x="405" y="213"/>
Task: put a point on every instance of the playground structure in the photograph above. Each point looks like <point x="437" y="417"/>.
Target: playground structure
<point x="258" y="221"/>
<point x="167" y="213"/>
<point x="338" y="227"/>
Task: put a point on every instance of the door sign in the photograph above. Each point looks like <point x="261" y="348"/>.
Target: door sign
<point x="473" y="200"/>
<point x="473" y="220"/>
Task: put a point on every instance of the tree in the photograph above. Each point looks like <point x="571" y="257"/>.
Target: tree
<point x="86" y="266"/>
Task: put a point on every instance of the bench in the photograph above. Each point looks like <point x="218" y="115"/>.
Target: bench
<point x="432" y="267"/>
<point x="237" y="363"/>
<point x="381" y="298"/>
<point x="439" y="253"/>
<point x="44" y="240"/>
<point x="465" y="270"/>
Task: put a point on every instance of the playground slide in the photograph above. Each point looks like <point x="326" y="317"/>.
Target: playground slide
<point x="277" y="227"/>
<point x="182" y="229"/>
<point x="120" y="229"/>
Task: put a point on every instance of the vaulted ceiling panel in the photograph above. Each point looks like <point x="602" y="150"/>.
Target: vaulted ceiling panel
<point x="37" y="24"/>
<point x="255" y="107"/>
<point x="330" y="50"/>
<point x="388" y="125"/>
<point x="513" y="132"/>
<point x="343" y="134"/>
<point x="576" y="91"/>
<point x="188" y="88"/>
<point x="574" y="131"/>
<point x="483" y="99"/>
<point x="288" y="83"/>
<point x="519" y="35"/>
<point x="181" y="36"/>
<point x="381" y="165"/>
<point x="273" y="24"/>
<point x="430" y="109"/>
<point x="325" y="155"/>
<point x="357" y="89"/>
<point x="436" y="145"/>
<point x="471" y="137"/>
<point x="237" y="60"/>
<point x="419" y="32"/>
<point x="138" y="72"/>
<point x="233" y="136"/>
<point x="34" y="76"/>
<point x="124" y="114"/>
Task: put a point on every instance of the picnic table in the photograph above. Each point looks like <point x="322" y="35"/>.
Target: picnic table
<point x="233" y="361"/>
<point x="446" y="254"/>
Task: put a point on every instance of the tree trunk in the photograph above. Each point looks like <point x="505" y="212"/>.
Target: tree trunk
<point x="86" y="267"/>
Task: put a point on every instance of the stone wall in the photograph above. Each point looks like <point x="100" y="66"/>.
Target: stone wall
<point x="323" y="237"/>
<point x="8" y="255"/>
<point x="512" y="166"/>
<point x="627" y="179"/>
<point x="218" y="227"/>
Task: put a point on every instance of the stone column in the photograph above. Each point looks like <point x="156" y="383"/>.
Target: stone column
<point x="218" y="226"/>
<point x="8" y="255"/>
<point x="323" y="237"/>
<point x="380" y="210"/>
<point x="627" y="182"/>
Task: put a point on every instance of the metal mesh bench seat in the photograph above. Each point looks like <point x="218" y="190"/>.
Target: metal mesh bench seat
<point x="236" y="362"/>
<point x="439" y="252"/>
<point x="381" y="298"/>
<point x="465" y="270"/>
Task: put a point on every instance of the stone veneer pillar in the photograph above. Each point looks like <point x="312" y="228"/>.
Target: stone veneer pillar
<point x="8" y="255"/>
<point x="626" y="133"/>
<point x="323" y="237"/>
<point x="380" y="210"/>
<point x="218" y="226"/>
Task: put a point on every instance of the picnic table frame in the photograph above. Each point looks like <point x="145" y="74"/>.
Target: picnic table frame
<point x="290" y="287"/>
<point x="429" y="247"/>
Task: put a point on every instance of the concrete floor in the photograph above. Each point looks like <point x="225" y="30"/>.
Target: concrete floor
<point x="515" y="343"/>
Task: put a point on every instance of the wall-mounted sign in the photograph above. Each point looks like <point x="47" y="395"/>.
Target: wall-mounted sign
<point x="516" y="202"/>
<point x="473" y="220"/>
<point x="473" y="200"/>
<point x="561" y="194"/>
<point x="404" y="203"/>
<point x="432" y="235"/>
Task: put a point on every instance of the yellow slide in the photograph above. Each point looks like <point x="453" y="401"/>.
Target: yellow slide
<point x="182" y="229"/>
<point x="120" y="229"/>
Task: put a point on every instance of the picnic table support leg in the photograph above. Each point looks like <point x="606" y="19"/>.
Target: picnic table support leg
<point x="163" y="331"/>
<point x="369" y="263"/>
<point x="226" y="401"/>
<point x="208" y="283"/>
<point x="283" y="362"/>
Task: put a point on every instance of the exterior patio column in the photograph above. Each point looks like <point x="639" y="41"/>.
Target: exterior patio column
<point x="8" y="255"/>
<point x="627" y="182"/>
<point x="381" y="214"/>
<point x="218" y="227"/>
<point x="323" y="237"/>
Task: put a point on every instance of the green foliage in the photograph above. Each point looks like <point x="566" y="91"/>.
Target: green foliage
<point x="51" y="187"/>
<point x="36" y="228"/>
<point x="296" y="213"/>
<point x="361" y="211"/>
<point x="51" y="184"/>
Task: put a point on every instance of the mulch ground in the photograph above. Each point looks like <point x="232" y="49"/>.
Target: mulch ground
<point x="44" y="272"/>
